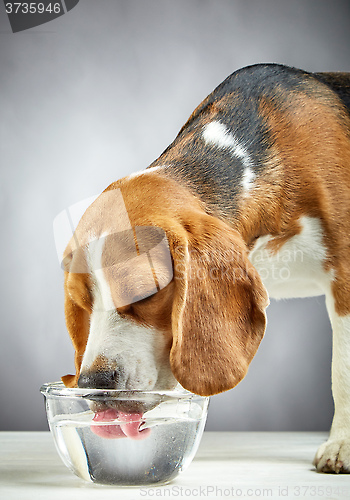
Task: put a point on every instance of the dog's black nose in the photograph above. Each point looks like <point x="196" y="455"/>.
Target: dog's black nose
<point x="99" y="380"/>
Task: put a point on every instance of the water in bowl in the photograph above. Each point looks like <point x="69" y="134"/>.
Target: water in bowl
<point x="166" y="450"/>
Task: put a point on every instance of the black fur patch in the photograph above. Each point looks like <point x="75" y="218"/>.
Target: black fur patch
<point x="214" y="173"/>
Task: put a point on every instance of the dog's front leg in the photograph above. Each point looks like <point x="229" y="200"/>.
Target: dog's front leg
<point x="334" y="454"/>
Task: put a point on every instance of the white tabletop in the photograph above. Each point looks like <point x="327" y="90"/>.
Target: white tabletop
<point x="227" y="465"/>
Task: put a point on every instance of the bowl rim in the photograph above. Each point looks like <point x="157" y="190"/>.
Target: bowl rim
<point x="58" y="389"/>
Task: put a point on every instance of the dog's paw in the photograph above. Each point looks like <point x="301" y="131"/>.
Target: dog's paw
<point x="333" y="456"/>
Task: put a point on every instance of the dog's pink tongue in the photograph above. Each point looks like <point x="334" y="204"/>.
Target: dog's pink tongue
<point x="130" y="426"/>
<point x="107" y="431"/>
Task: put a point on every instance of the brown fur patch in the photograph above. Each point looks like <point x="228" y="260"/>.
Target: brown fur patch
<point x="153" y="311"/>
<point x="308" y="174"/>
<point x="77" y="313"/>
<point x="218" y="316"/>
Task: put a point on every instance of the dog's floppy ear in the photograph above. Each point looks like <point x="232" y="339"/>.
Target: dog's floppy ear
<point x="77" y="319"/>
<point x="218" y="317"/>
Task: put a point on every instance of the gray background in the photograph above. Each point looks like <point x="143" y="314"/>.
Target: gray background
<point x="98" y="94"/>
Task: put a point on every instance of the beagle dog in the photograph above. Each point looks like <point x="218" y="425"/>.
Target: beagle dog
<point x="168" y="273"/>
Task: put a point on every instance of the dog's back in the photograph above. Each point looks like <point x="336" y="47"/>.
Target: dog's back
<point x="339" y="83"/>
<point x="231" y="136"/>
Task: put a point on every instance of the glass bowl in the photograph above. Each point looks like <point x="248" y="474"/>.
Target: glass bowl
<point x="125" y="438"/>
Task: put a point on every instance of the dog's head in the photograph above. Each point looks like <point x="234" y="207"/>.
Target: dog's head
<point x="157" y="291"/>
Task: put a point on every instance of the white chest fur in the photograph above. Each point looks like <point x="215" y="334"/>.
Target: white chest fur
<point x="297" y="269"/>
